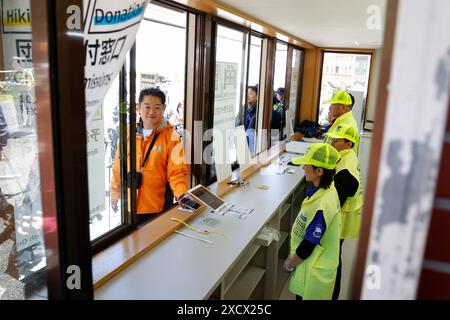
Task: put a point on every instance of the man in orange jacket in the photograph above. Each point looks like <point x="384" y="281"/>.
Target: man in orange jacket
<point x="165" y="162"/>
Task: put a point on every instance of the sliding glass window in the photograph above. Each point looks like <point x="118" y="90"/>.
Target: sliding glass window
<point x="294" y="88"/>
<point x="161" y="59"/>
<point x="277" y="119"/>
<point x="251" y="110"/>
<point x="229" y="95"/>
<point x="158" y="61"/>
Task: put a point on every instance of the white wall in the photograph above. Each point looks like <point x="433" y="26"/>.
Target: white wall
<point x="410" y="150"/>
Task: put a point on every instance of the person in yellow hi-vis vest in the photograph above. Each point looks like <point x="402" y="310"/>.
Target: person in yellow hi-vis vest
<point x="314" y="246"/>
<point x="349" y="187"/>
<point x="340" y="110"/>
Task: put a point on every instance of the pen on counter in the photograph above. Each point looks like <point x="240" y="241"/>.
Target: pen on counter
<point x="193" y="237"/>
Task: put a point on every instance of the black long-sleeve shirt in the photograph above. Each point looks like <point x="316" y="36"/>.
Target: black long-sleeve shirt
<point x="346" y="185"/>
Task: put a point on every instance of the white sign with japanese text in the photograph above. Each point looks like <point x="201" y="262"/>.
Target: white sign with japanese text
<point x="16" y="33"/>
<point x="110" y="31"/>
<point x="225" y="95"/>
<point x="225" y="100"/>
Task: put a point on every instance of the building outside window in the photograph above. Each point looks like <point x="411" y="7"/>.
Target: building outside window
<point x="355" y="80"/>
<point x="161" y="58"/>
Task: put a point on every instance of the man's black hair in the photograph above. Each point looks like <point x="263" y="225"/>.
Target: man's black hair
<point x="155" y="92"/>
<point x="346" y="140"/>
<point x="353" y="100"/>
<point x="280" y="91"/>
<point x="253" y="88"/>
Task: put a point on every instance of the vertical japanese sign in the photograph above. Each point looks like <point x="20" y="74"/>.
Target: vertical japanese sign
<point x="225" y="95"/>
<point x="110" y="31"/>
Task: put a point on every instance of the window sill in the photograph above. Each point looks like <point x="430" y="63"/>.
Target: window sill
<point x="111" y="261"/>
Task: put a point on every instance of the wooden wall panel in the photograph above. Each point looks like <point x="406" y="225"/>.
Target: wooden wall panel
<point x="311" y="84"/>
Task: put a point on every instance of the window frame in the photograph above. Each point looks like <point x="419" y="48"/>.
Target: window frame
<point x="286" y="96"/>
<point x="247" y="33"/>
<point x="126" y="226"/>
<point x="62" y="159"/>
<point x="215" y="22"/>
<point x="297" y="106"/>
<point x="261" y="88"/>
<point x="127" y="100"/>
<point x="370" y="52"/>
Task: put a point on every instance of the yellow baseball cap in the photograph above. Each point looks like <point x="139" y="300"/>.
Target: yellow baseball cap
<point x="340" y="97"/>
<point x="344" y="131"/>
<point x="321" y="155"/>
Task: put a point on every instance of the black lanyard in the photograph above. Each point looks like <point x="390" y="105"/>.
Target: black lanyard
<point x="149" y="150"/>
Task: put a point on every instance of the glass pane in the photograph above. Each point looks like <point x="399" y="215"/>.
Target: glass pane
<point x="278" y="106"/>
<point x="253" y="89"/>
<point x="255" y="61"/>
<point x="344" y="71"/>
<point x="293" y="96"/>
<point x="164" y="68"/>
<point x="103" y="138"/>
<point x="229" y="80"/>
<point x="22" y="248"/>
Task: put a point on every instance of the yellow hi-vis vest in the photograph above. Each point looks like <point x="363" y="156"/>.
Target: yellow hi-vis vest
<point x="314" y="278"/>
<point x="346" y="118"/>
<point x="352" y="207"/>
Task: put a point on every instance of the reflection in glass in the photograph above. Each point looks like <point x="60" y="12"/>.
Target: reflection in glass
<point x="22" y="248"/>
<point x="103" y="138"/>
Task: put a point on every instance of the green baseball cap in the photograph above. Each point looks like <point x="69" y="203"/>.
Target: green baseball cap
<point x="321" y="155"/>
<point x="344" y="131"/>
<point x="340" y="97"/>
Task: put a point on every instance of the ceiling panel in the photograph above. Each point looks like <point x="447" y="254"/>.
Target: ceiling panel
<point x="324" y="23"/>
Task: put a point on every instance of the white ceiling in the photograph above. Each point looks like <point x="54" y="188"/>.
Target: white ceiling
<point x="324" y="23"/>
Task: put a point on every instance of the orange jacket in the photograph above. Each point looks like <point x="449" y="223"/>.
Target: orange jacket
<point x="165" y="163"/>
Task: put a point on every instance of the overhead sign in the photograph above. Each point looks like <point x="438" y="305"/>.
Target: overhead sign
<point x="109" y="17"/>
